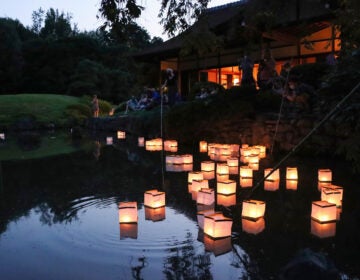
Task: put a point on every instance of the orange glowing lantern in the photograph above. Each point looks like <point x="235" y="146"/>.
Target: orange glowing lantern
<point x="235" y="148"/>
<point x="225" y="200"/>
<point x="291" y="184"/>
<point x="170" y="159"/>
<point x="253" y="159"/>
<point x="271" y="185"/>
<point x="209" y="175"/>
<point x="177" y="159"/>
<point x="121" y="134"/>
<point x="141" y="141"/>
<point x="211" y="148"/>
<point x="205" y="196"/>
<point x="217" y="246"/>
<point x="197" y="185"/>
<point x="323" y="230"/>
<point x="201" y="216"/>
<point x="128" y="212"/>
<point x="233" y="162"/>
<point x="323" y="184"/>
<point x="154" y="198"/>
<point x="291" y="173"/>
<point x="195" y="175"/>
<point x="187" y="159"/>
<point x="109" y="140"/>
<point x="222" y="168"/>
<point x="254" y="166"/>
<point x="324" y="175"/>
<point x="226" y="187"/>
<point x="253" y="209"/>
<point x="155" y="214"/>
<point x="246" y="172"/>
<point x="253" y="226"/>
<point x="274" y="174"/>
<point x="203" y="146"/>
<point x="170" y="145"/>
<point x="186" y="167"/>
<point x="244" y="146"/>
<point x="217" y="225"/>
<point x="246" y="152"/>
<point x="207" y="166"/>
<point x="246" y="182"/>
<point x="323" y="211"/>
<point x="128" y="230"/>
<point x="332" y="194"/>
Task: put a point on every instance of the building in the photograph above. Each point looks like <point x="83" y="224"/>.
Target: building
<point x="302" y="32"/>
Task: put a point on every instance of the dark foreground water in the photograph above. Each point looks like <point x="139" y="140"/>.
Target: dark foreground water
<point x="59" y="218"/>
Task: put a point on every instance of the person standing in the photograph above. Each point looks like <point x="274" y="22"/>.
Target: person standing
<point x="95" y="106"/>
<point x="171" y="84"/>
<point x="247" y="67"/>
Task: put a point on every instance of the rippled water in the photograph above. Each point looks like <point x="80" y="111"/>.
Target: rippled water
<point x="59" y="220"/>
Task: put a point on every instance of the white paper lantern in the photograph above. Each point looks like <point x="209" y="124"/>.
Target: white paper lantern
<point x="128" y="212"/>
<point x="323" y="211"/>
<point x="205" y="196"/>
<point x="154" y="198"/>
<point x="226" y="187"/>
<point x="253" y="209"/>
<point x="217" y="225"/>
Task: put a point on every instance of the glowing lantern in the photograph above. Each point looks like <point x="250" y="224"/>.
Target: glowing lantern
<point x="323" y="230"/>
<point x="225" y="200"/>
<point x="246" y="182"/>
<point x="253" y="226"/>
<point x="254" y="166"/>
<point x="197" y="185"/>
<point x="195" y="175"/>
<point x="217" y="225"/>
<point x="291" y="173"/>
<point x="233" y="162"/>
<point x="154" y="198"/>
<point x="109" y="140"/>
<point x="323" y="211"/>
<point x="207" y="166"/>
<point x="274" y="175"/>
<point x="170" y="159"/>
<point x="209" y="175"/>
<point x="141" y="141"/>
<point x="203" y="146"/>
<point x="271" y="185"/>
<point x="205" y="196"/>
<point x="128" y="212"/>
<point x="170" y="145"/>
<point x="155" y="214"/>
<point x="255" y="151"/>
<point x="291" y="184"/>
<point x="211" y="148"/>
<point x="332" y="194"/>
<point x="154" y="144"/>
<point x="246" y="152"/>
<point x="186" y="167"/>
<point x="201" y="215"/>
<point x="253" y="209"/>
<point x="324" y="175"/>
<point x="253" y="159"/>
<point x="187" y="159"/>
<point x="2" y="136"/>
<point x="244" y="146"/>
<point x="234" y="148"/>
<point x="222" y="169"/>
<point x="323" y="184"/>
<point x="177" y="159"/>
<point x="262" y="153"/>
<point x="217" y="246"/>
<point x="128" y="230"/>
<point x="226" y="187"/>
<point x="121" y="134"/>
<point x="246" y="172"/>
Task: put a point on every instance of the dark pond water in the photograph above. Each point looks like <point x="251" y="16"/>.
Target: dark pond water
<point x="59" y="217"/>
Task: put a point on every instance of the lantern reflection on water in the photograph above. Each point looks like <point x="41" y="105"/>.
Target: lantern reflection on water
<point x="253" y="226"/>
<point x="203" y="147"/>
<point x="155" y="214"/>
<point x="154" y="198"/>
<point x="246" y="182"/>
<point x="323" y="211"/>
<point x="291" y="184"/>
<point x="217" y="225"/>
<point x="128" y="212"/>
<point x="271" y="185"/>
<point x="226" y="187"/>
<point x="121" y="134"/>
<point x="128" y="230"/>
<point x="332" y="194"/>
<point x="205" y="196"/>
<point x="323" y="230"/>
<point x="218" y="246"/>
<point x="225" y="200"/>
<point x="253" y="209"/>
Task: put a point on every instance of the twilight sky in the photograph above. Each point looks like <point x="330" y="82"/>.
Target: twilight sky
<point x="84" y="12"/>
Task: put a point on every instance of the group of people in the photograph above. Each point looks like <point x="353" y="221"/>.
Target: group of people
<point x="148" y="100"/>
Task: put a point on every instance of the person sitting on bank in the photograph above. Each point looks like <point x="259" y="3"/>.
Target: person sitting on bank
<point x="132" y="104"/>
<point x="301" y="94"/>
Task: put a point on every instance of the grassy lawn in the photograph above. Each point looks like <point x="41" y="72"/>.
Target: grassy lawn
<point x="44" y="108"/>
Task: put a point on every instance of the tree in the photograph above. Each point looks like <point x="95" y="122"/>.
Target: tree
<point x="56" y="25"/>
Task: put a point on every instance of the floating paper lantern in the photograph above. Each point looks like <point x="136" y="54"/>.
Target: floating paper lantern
<point x="226" y="187"/>
<point x="203" y="146"/>
<point x="253" y="226"/>
<point x="222" y="168"/>
<point x="271" y="185"/>
<point x="177" y="159"/>
<point x="274" y="176"/>
<point x="128" y="212"/>
<point x="233" y="162"/>
<point x="208" y="175"/>
<point x="253" y="209"/>
<point x="205" y="196"/>
<point x="324" y="175"/>
<point x="207" y="166"/>
<point x="154" y="144"/>
<point x="121" y="134"/>
<point x="128" y="230"/>
<point x="323" y="211"/>
<point x="253" y="159"/>
<point x="155" y="214"/>
<point x="154" y="198"/>
<point x="109" y="140"/>
<point x="217" y="225"/>
<point x="332" y="194"/>
<point x="225" y="200"/>
<point x="235" y="148"/>
<point x="195" y="175"/>
<point x="246" y="172"/>
<point x="2" y="136"/>
<point x="255" y="151"/>
<point x="201" y="216"/>
<point x="291" y="184"/>
<point x="244" y="145"/>
<point x="246" y="182"/>
<point x="186" y="167"/>
<point x="254" y="166"/>
<point x="246" y="152"/>
<point x="170" y="145"/>
<point x="218" y="246"/>
<point x="291" y="173"/>
<point x="170" y="159"/>
<point x="323" y="230"/>
<point x="141" y="141"/>
<point x="187" y="159"/>
<point x="197" y="185"/>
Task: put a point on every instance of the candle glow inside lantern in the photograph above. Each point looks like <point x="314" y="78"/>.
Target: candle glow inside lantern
<point x="109" y="140"/>
<point x="324" y="175"/>
<point x="291" y="184"/>
<point x="207" y="165"/>
<point x="253" y="209"/>
<point x="226" y="187"/>
<point x="246" y="182"/>
<point x="195" y="175"/>
<point x="271" y="185"/>
<point x="197" y="185"/>
<point x="217" y="246"/>
<point x="154" y="198"/>
<point x="323" y="230"/>
<point x="208" y="175"/>
<point x="170" y="145"/>
<point x="226" y="200"/>
<point x="246" y="172"/>
<point x="154" y="144"/>
<point x="128" y="230"/>
<point x="141" y="141"/>
<point x="128" y="212"/>
<point x="233" y="162"/>
<point x="222" y="169"/>
<point x="155" y="214"/>
<point x="205" y="196"/>
<point x="253" y="226"/>
<point x="274" y="175"/>
<point x="203" y="146"/>
<point x="291" y="173"/>
<point x="187" y="159"/>
<point x="332" y="194"/>
<point x="323" y="211"/>
<point x="254" y="166"/>
<point x="217" y="225"/>
<point x="201" y="216"/>
<point x="121" y="134"/>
